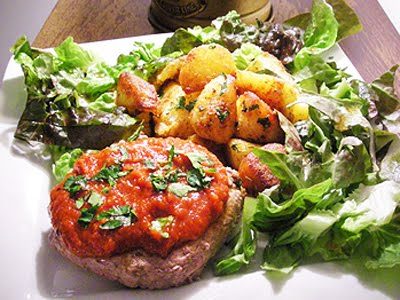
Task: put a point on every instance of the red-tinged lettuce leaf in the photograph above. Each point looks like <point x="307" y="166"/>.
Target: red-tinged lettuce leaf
<point x="76" y="128"/>
<point x="70" y="101"/>
<point x="181" y="40"/>
<point x="384" y="87"/>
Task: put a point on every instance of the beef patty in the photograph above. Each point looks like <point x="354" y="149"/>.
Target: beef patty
<point x="148" y="213"/>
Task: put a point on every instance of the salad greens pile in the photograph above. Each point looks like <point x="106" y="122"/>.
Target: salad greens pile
<point x="339" y="192"/>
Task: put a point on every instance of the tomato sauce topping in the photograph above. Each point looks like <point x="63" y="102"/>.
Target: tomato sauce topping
<point x="153" y="193"/>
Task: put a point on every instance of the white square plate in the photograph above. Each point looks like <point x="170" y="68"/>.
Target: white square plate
<point x="31" y="269"/>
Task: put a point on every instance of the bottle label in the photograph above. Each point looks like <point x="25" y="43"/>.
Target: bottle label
<point x="182" y="8"/>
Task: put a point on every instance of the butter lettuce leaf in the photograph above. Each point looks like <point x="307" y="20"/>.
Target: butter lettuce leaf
<point x="244" y="55"/>
<point x="246" y="244"/>
<point x="349" y="23"/>
<point x="64" y="164"/>
<point x="320" y="34"/>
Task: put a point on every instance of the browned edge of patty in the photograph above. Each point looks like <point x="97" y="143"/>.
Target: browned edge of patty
<point x="183" y="265"/>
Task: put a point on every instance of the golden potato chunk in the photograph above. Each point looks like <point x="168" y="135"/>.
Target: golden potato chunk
<point x="255" y="175"/>
<point x="214" y="114"/>
<point x="276" y="92"/>
<point x="169" y="72"/>
<point x="256" y="121"/>
<point x="172" y="118"/>
<point x="136" y="94"/>
<point x="237" y="150"/>
<point x="204" y="63"/>
<point x="266" y="63"/>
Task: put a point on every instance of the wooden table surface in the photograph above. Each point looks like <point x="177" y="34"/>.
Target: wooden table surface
<point x="372" y="51"/>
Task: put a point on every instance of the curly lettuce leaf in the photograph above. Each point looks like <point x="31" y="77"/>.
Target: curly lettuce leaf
<point x="181" y="40"/>
<point x="246" y="244"/>
<point x="390" y="165"/>
<point x="64" y="164"/>
<point x="281" y="167"/>
<point x="388" y="258"/>
<point x="373" y="206"/>
<point x="74" y="56"/>
<point x="318" y="72"/>
<point x="364" y="225"/>
<point x="246" y="54"/>
<point x="352" y="162"/>
<point x="271" y="216"/>
<point x="349" y="23"/>
<point x="320" y="35"/>
<point x="288" y="248"/>
<point x="145" y="60"/>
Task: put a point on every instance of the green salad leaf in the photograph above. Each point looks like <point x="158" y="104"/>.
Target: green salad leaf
<point x="181" y="40"/>
<point x="384" y="87"/>
<point x="60" y="89"/>
<point x="347" y="18"/>
<point x="244" y="55"/>
<point x="340" y="231"/>
<point x="144" y="60"/>
<point x="320" y="34"/>
<point x="390" y="165"/>
<point x="246" y="244"/>
<point x="64" y="164"/>
<point x="72" y="55"/>
<point x="280" y="166"/>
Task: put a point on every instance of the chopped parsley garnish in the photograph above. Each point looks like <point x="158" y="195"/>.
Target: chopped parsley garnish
<point x="180" y="189"/>
<point x="116" y="217"/>
<point x="222" y="114"/>
<point x="158" y="181"/>
<point x="182" y="104"/>
<point x="267" y="72"/>
<point x="196" y="178"/>
<point x="159" y="224"/>
<point x="74" y="184"/>
<point x="234" y="147"/>
<point x="149" y="164"/>
<point x="196" y="158"/>
<point x="87" y="215"/>
<point x="172" y="176"/>
<point x="224" y="85"/>
<point x="110" y="174"/>
<point x="250" y="108"/>
<point x="171" y="155"/>
<point x="265" y="122"/>
<point x="95" y="199"/>
<point x="136" y="133"/>
<point x="191" y="105"/>
<point x="167" y="178"/>
<point x="79" y="203"/>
